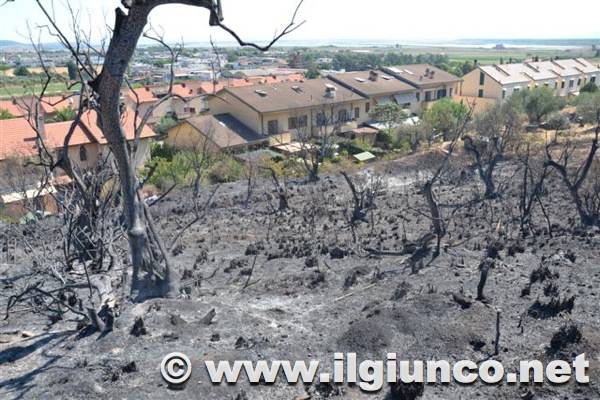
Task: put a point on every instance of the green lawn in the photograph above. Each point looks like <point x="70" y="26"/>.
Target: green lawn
<point x="9" y="90"/>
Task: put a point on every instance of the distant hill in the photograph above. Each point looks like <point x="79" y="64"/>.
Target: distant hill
<point x="11" y="43"/>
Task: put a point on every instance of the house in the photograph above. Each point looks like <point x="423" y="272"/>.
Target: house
<point x="19" y="141"/>
<point x="213" y="133"/>
<point x="25" y="106"/>
<point x="573" y="74"/>
<point x="87" y="144"/>
<point x="310" y="107"/>
<point x="432" y="83"/>
<point x="498" y="82"/>
<point x="187" y="100"/>
<point x="379" y="88"/>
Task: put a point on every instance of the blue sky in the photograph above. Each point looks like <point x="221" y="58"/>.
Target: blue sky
<point x="340" y="19"/>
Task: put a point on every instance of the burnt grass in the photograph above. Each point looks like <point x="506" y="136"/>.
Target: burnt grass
<point x="295" y="285"/>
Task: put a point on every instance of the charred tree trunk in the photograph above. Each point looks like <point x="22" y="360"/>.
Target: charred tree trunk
<point x="437" y="221"/>
<point x="107" y="86"/>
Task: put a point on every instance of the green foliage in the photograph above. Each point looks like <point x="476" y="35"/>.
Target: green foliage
<point x="589" y="87"/>
<point x="384" y="139"/>
<point x="226" y="169"/>
<point x="353" y="61"/>
<point x="557" y="121"/>
<point x="312" y="73"/>
<point x="5" y="114"/>
<point x="359" y="146"/>
<point x="588" y="106"/>
<point x="389" y="114"/>
<point x="64" y="114"/>
<point x="538" y="103"/>
<point x="21" y="70"/>
<point x="445" y="116"/>
<point x="163" y="126"/>
<point x="158" y="150"/>
<point x="72" y="70"/>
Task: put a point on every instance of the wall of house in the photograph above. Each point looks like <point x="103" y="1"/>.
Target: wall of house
<point x="184" y="136"/>
<point x="452" y="90"/>
<point x="142" y="156"/>
<point x="283" y="117"/>
<point x="92" y="154"/>
<point x="225" y="103"/>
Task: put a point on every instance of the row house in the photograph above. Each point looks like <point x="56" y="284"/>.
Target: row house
<point x="498" y="82"/>
<point x="431" y="83"/>
<point x="285" y="110"/>
<point x="379" y="88"/>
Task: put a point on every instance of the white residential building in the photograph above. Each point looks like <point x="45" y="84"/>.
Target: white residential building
<point x="564" y="77"/>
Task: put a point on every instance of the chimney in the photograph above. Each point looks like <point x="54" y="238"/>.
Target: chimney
<point x="431" y="74"/>
<point x="40" y="126"/>
<point x="330" y="91"/>
<point x="373" y="76"/>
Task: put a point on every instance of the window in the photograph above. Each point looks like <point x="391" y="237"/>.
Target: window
<point x="357" y="113"/>
<point x="546" y="84"/>
<point x="571" y="83"/>
<point x="579" y="82"/>
<point x="82" y="153"/>
<point x="418" y="96"/>
<point x="293" y="123"/>
<point x="428" y="96"/>
<point x="190" y="110"/>
<point x="562" y="85"/>
<point x="450" y="92"/>
<point x="555" y="85"/>
<point x="503" y="93"/>
<point x="321" y="119"/>
<point x="343" y="115"/>
<point x="303" y="121"/>
<point x="593" y="79"/>
<point x="516" y="90"/>
<point x="273" y="127"/>
<point x="441" y="93"/>
<point x="481" y="78"/>
<point x="480" y="94"/>
<point x="367" y="107"/>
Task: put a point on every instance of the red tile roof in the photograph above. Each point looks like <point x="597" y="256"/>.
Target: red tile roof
<point x="23" y="106"/>
<point x="18" y="138"/>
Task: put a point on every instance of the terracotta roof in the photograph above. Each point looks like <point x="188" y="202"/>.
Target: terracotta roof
<point x="18" y="138"/>
<point x="22" y="106"/>
<point x="293" y="95"/>
<point x="422" y="75"/>
<point x="372" y="83"/>
<point x="90" y="118"/>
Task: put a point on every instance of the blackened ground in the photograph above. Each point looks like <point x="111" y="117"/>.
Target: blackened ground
<point x="297" y="286"/>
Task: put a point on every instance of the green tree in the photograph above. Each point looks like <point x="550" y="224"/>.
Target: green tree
<point x="21" y="70"/>
<point x="72" y="70"/>
<point x="538" y="103"/>
<point x="445" y="115"/>
<point x="391" y="116"/>
<point x="5" y="114"/>
<point x="589" y="87"/>
<point x="312" y="73"/>
<point x="64" y="114"/>
<point x="163" y="126"/>
<point x="588" y="105"/>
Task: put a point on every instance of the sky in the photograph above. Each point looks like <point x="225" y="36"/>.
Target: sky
<point x="399" y="20"/>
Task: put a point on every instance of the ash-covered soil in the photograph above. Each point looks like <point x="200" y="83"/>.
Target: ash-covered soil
<point x="296" y="285"/>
